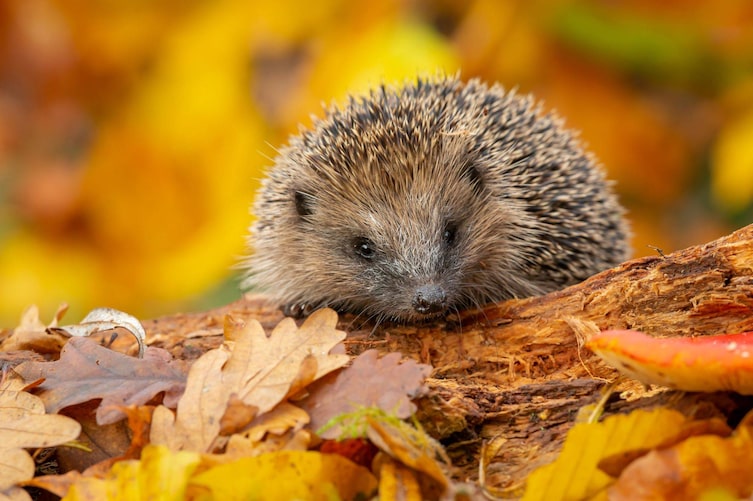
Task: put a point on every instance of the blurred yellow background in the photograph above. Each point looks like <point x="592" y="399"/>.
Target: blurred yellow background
<point x="133" y="133"/>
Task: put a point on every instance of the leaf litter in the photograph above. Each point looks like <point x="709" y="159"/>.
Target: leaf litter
<point x="285" y="403"/>
<point x="254" y="402"/>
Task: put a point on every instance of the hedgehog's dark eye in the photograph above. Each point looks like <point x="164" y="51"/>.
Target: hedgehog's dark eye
<point x="450" y="232"/>
<point x="302" y="204"/>
<point x="364" y="248"/>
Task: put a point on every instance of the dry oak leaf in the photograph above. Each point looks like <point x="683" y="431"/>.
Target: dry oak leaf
<point x="281" y="428"/>
<point x="32" y="334"/>
<point x="98" y="441"/>
<point x="23" y="424"/>
<point x="388" y="383"/>
<point x="88" y="371"/>
<point x="261" y="371"/>
<point x="706" y="363"/>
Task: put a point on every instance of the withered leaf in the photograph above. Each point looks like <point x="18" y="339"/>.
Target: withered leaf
<point x="388" y="383"/>
<point x="25" y="425"/>
<point x="259" y="370"/>
<point x="263" y="369"/>
<point x="88" y="371"/>
<point x="105" y="319"/>
<point x="32" y="334"/>
<point x="15" y="466"/>
<point x="197" y="420"/>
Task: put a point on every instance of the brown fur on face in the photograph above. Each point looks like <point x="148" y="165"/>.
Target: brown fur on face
<point x="412" y="202"/>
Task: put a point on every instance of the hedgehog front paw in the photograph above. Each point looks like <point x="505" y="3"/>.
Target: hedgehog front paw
<point x="297" y="310"/>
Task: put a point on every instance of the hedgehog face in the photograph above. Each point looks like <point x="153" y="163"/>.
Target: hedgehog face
<point x="399" y="235"/>
<point x="399" y="245"/>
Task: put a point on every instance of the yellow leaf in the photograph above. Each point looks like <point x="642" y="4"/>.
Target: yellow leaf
<point x="285" y="475"/>
<point x="388" y="51"/>
<point x="575" y="475"/>
<point x="397" y="482"/>
<point x="160" y="474"/>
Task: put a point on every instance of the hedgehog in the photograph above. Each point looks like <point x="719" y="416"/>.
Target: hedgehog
<point x="414" y="201"/>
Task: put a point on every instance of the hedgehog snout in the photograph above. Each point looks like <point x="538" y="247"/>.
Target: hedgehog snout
<point x="428" y="299"/>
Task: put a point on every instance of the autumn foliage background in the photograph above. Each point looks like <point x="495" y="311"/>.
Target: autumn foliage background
<point x="133" y="133"/>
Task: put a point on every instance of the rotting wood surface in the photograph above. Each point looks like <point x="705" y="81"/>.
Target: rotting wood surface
<point x="515" y="369"/>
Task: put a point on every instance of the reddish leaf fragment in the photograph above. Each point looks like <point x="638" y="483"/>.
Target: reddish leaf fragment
<point x="388" y="383"/>
<point x="708" y="363"/>
<point x="358" y="450"/>
<point x="88" y="371"/>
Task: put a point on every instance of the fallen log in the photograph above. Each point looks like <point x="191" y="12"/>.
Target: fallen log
<point x="517" y="370"/>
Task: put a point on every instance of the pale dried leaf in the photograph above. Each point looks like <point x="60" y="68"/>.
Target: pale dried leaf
<point x="282" y="418"/>
<point x="411" y="447"/>
<point x="15" y="466"/>
<point x="35" y="430"/>
<point x="197" y="421"/>
<point x="237" y="416"/>
<point x="240" y="446"/>
<point x="14" y="494"/>
<point x="259" y="370"/>
<point x="31" y="334"/>
<point x="16" y="404"/>
<point x="263" y="369"/>
<point x="105" y="319"/>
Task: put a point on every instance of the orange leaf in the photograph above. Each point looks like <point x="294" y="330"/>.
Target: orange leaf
<point x="691" y="467"/>
<point x="708" y="363"/>
<point x="358" y="450"/>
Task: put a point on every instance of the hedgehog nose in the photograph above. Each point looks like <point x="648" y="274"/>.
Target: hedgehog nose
<point x="429" y="299"/>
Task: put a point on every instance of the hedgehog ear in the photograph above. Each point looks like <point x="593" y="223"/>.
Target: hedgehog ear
<point x="303" y="203"/>
<point x="472" y="174"/>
